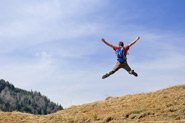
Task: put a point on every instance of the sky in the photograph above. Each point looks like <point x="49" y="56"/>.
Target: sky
<point x="54" y="46"/>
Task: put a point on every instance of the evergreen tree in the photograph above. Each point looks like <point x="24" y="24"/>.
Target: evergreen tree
<point x="15" y="99"/>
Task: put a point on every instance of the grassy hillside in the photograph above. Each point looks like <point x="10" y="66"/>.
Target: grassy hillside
<point x="163" y="105"/>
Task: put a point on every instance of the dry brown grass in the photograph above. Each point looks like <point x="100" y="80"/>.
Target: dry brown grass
<point x="163" y="106"/>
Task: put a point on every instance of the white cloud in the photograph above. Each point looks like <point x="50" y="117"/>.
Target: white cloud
<point x="39" y="22"/>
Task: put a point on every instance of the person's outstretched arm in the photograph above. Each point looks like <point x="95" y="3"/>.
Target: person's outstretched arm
<point x="133" y="42"/>
<point x="107" y="43"/>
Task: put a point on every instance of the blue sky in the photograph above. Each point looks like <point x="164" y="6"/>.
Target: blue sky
<point x="53" y="46"/>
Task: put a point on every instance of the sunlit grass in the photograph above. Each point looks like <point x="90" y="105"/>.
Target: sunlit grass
<point x="163" y="105"/>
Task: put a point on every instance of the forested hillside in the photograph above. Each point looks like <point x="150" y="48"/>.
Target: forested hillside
<point x="15" y="99"/>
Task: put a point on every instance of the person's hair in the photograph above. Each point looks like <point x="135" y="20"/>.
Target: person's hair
<point x="121" y="43"/>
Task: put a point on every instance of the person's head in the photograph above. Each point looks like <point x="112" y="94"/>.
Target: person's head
<point x="121" y="44"/>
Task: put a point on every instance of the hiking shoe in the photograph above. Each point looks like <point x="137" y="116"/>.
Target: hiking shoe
<point x="133" y="73"/>
<point x="105" y="76"/>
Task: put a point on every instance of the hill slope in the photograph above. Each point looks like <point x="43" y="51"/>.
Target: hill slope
<point x="162" y="105"/>
<point x="15" y="99"/>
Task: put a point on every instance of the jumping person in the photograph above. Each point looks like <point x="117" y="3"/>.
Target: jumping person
<point x="121" y="52"/>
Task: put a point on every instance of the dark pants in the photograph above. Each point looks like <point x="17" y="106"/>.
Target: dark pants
<point x="119" y="65"/>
